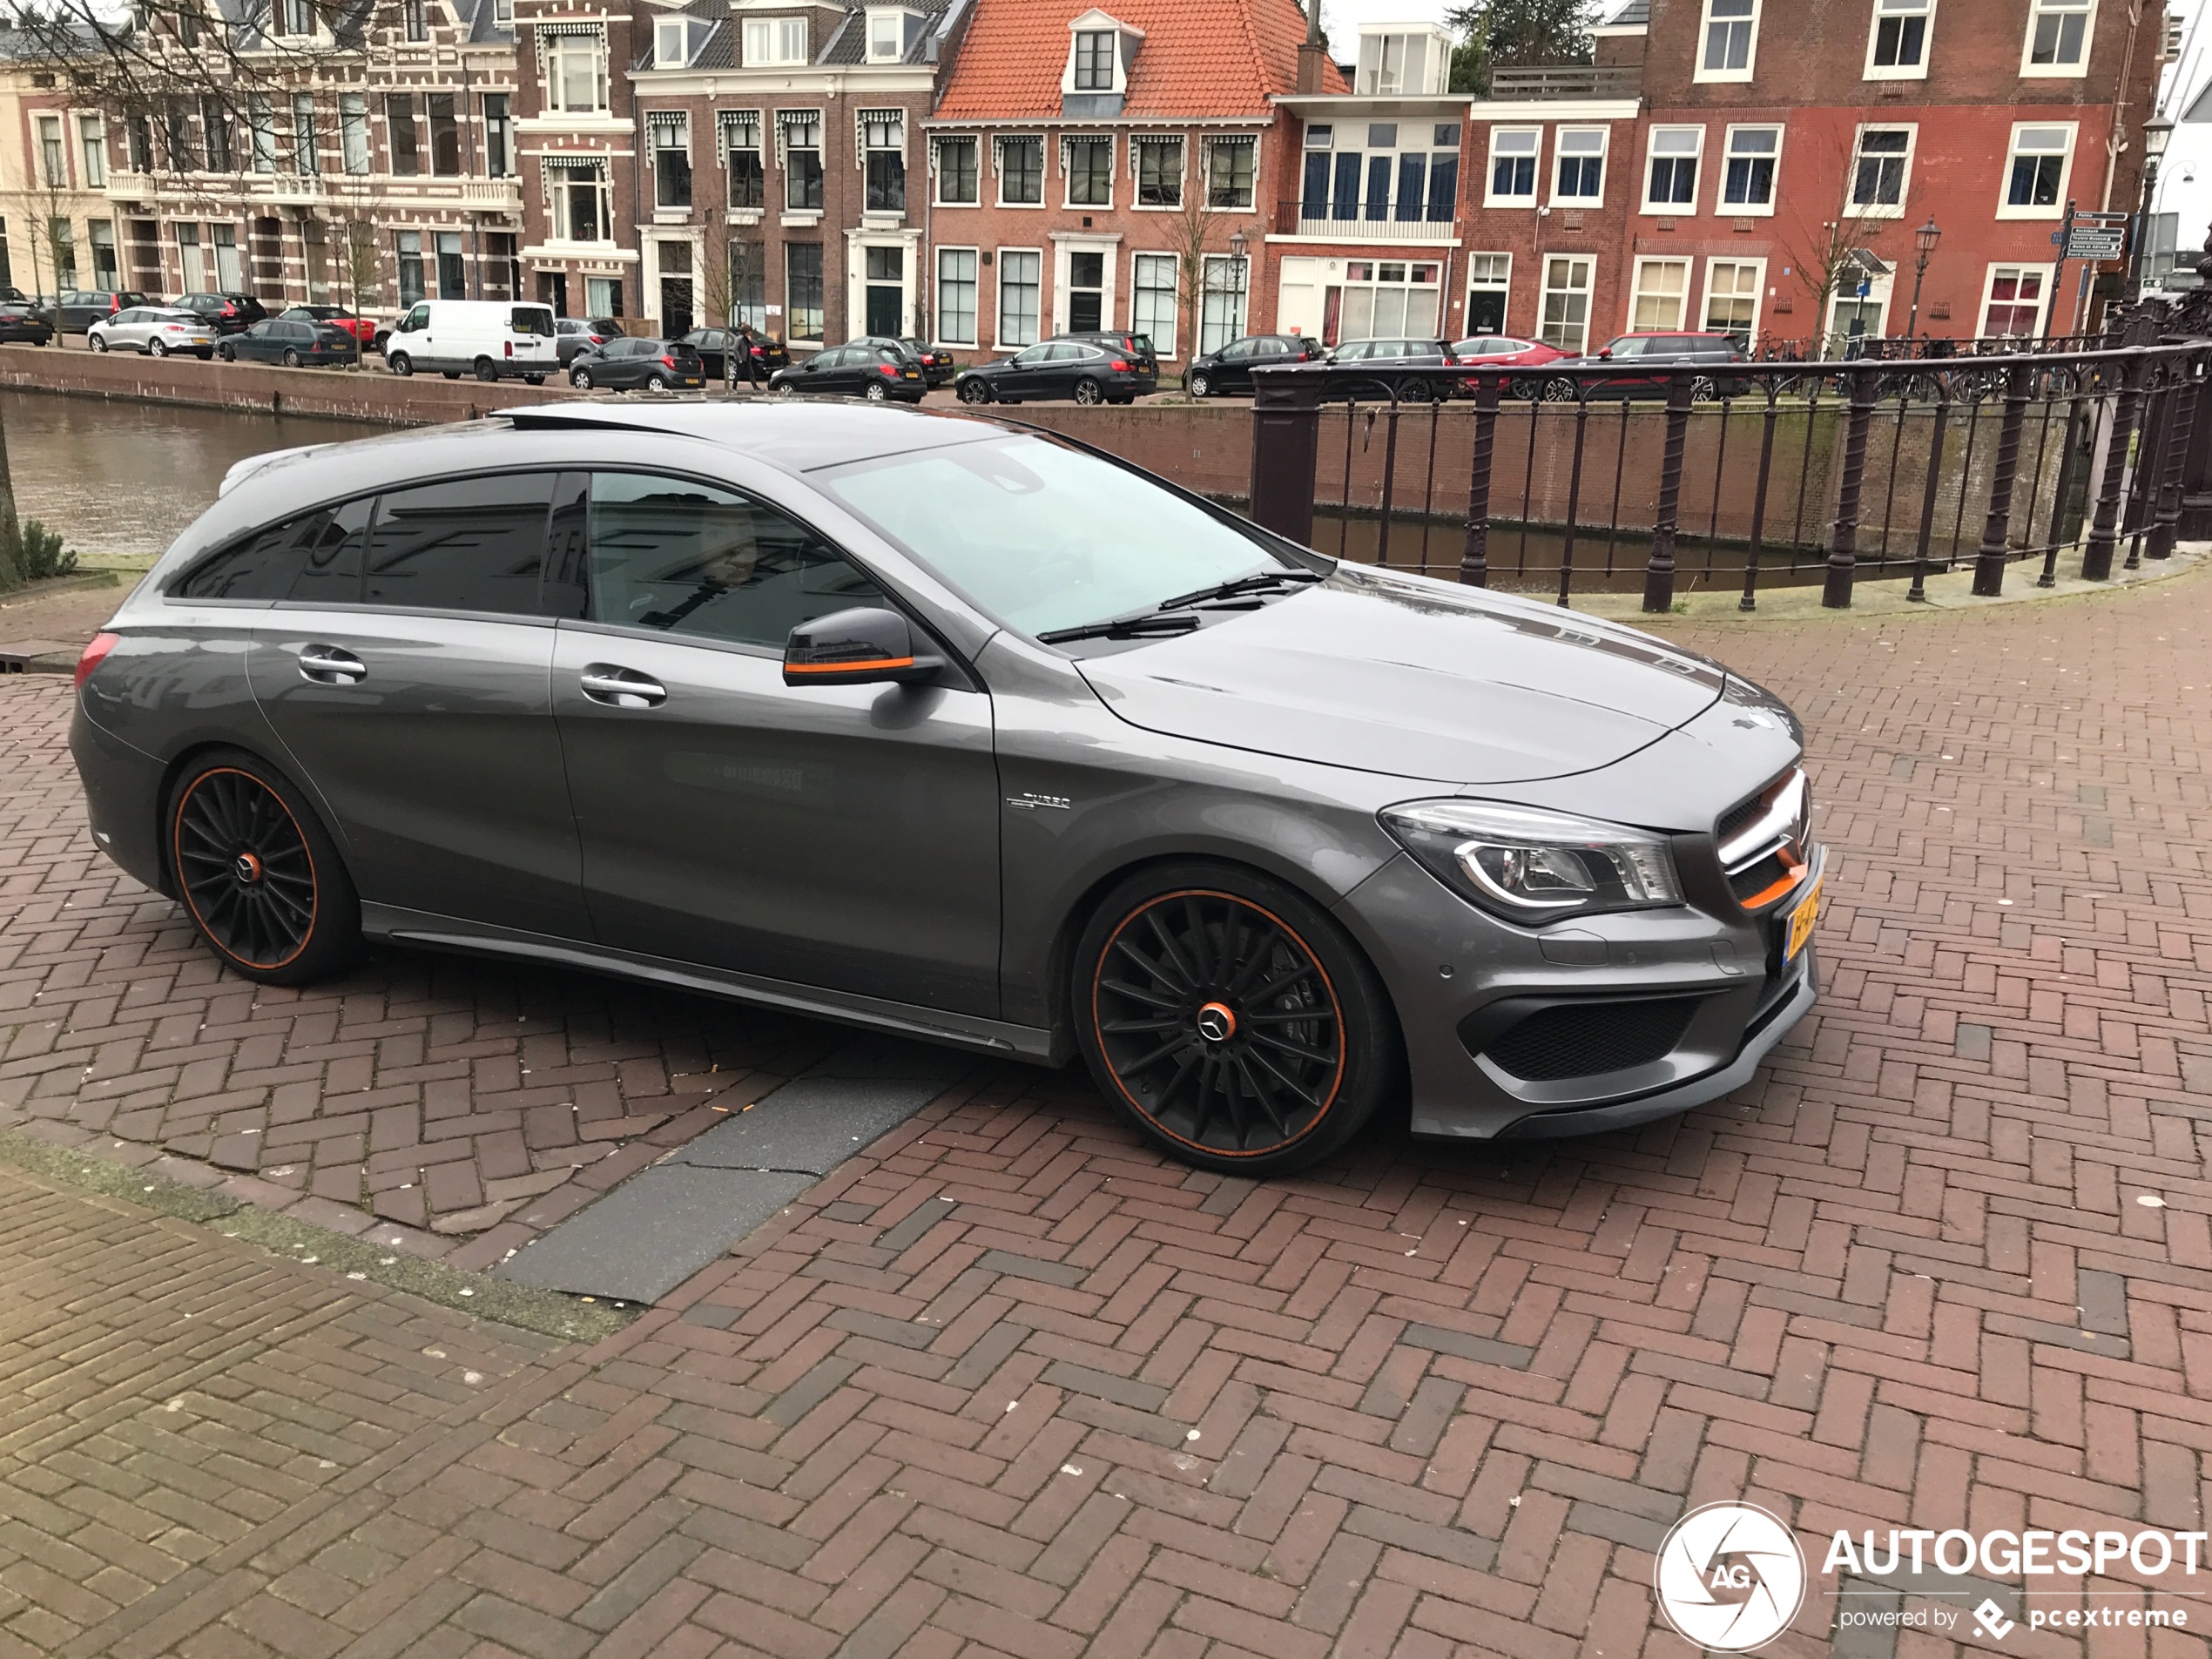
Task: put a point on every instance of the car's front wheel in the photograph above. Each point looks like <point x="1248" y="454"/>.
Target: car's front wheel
<point x="227" y="352"/>
<point x="259" y="875"/>
<point x="400" y="364"/>
<point x="1201" y="384"/>
<point x="972" y="392"/>
<point x="1231" y="1019"/>
<point x="580" y="379"/>
<point x="97" y="342"/>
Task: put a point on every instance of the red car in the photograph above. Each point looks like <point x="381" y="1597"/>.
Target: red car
<point x="361" y="328"/>
<point x="1506" y="350"/>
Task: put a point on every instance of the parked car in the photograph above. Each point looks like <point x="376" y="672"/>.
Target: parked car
<point x="154" y="330"/>
<point x="21" y="324"/>
<point x="494" y="339"/>
<point x="361" y="328"/>
<point x="936" y="362"/>
<point x="1053" y="369"/>
<point x="1508" y="351"/>
<point x="1645" y="365"/>
<point x="767" y="352"/>
<point x="1382" y="355"/>
<point x="1137" y="349"/>
<point x="227" y="313"/>
<point x="78" y="306"/>
<point x="295" y="345"/>
<point x="1229" y="371"/>
<point x="871" y="369"/>
<point x="631" y="364"/>
<point x="1263" y="793"/>
<point x="572" y="335"/>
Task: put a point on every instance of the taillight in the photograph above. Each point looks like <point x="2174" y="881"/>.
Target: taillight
<point x="668" y="362"/>
<point x="891" y="369"/>
<point x="95" y="654"/>
<point x="1118" y="366"/>
<point x="230" y="311"/>
<point x="510" y="349"/>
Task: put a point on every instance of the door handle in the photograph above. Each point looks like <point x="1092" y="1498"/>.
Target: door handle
<point x="327" y="665"/>
<point x="622" y="688"/>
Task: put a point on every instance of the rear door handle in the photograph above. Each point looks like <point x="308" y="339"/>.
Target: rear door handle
<point x="327" y="665"/>
<point x="622" y="688"/>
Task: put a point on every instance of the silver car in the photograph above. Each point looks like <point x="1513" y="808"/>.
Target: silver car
<point x="154" y="330"/>
<point x="942" y="727"/>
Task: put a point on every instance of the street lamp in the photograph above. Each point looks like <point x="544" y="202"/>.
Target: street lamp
<point x="1924" y="240"/>
<point x="2156" y="132"/>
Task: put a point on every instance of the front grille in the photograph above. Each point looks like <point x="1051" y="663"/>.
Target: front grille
<point x="1737" y="817"/>
<point x="1764" y="842"/>
<point x="1583" y="1039"/>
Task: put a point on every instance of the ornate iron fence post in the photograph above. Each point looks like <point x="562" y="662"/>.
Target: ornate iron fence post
<point x="1843" y="548"/>
<point x="1474" y="558"/>
<point x="1757" y="548"/>
<point x="1659" y="570"/>
<point x="1989" y="561"/>
<point x="2104" y="529"/>
<point x="2188" y="393"/>
<point x="1286" y="450"/>
<point x="1939" y="417"/>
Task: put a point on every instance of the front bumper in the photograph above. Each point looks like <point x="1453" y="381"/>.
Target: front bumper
<point x="1594" y="1024"/>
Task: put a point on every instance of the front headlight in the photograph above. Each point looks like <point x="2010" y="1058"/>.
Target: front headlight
<point x="1533" y="867"/>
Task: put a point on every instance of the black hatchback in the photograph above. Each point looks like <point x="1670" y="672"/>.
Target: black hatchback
<point x="1055" y="369"/>
<point x="936" y="362"/>
<point x="79" y="306"/>
<point x="225" y="314"/>
<point x="866" y="369"/>
<point x="629" y="365"/>
<point x="1229" y="371"/>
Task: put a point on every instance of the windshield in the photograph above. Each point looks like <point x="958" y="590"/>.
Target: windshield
<point x="1044" y="537"/>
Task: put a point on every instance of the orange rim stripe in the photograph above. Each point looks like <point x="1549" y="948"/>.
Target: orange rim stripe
<point x="177" y="863"/>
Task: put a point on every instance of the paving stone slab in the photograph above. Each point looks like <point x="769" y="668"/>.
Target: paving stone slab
<point x="654" y="1231"/>
<point x="813" y="1124"/>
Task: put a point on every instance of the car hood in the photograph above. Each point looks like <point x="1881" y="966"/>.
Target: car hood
<point x="1416" y="678"/>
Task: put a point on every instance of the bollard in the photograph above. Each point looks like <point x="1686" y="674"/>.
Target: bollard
<point x="1286" y="449"/>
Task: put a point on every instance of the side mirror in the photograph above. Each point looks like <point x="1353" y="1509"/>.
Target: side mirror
<point x="1605" y="352"/>
<point x="867" y="646"/>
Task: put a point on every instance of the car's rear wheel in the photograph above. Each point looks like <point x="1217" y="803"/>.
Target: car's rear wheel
<point x="1230" y="1020"/>
<point x="1559" y="391"/>
<point x="486" y="369"/>
<point x="400" y="364"/>
<point x="660" y="382"/>
<point x="533" y="380"/>
<point x="1088" y="391"/>
<point x="972" y="392"/>
<point x="876" y="392"/>
<point x="259" y="875"/>
<point x="1703" y="390"/>
<point x="1201" y="383"/>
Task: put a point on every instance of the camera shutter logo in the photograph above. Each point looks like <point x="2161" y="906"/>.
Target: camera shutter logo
<point x="1729" y="1577"/>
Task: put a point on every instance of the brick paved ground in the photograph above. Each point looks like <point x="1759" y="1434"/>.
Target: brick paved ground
<point x="1010" y="1384"/>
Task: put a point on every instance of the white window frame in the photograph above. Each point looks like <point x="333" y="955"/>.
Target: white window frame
<point x="1164" y="336"/>
<point x="1881" y="210"/>
<point x="1138" y="143"/>
<point x="1757" y="264"/>
<point x="1647" y="261"/>
<point x="1487" y="286"/>
<point x="1217" y="143"/>
<point x="1651" y="153"/>
<point x="999" y="341"/>
<point x="670" y="37"/>
<point x="1236" y="284"/>
<point x="2048" y="272"/>
<point x="1490" y="198"/>
<point x="1925" y="10"/>
<point x="91" y="150"/>
<point x="937" y="314"/>
<point x="1560" y="154"/>
<point x="2005" y="209"/>
<point x="556" y="53"/>
<point x="2037" y="10"/>
<point x="783" y="43"/>
<point x="1721" y="205"/>
<point x="1708" y="22"/>
<point x="998" y="141"/>
<point x="1068" y="142"/>
<point x="937" y="168"/>
<point x="1588" y="291"/>
<point x="878" y="16"/>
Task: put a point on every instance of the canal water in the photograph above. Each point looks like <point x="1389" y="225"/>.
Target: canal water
<point x="126" y="478"/>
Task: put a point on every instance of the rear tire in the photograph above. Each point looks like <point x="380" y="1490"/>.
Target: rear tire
<point x="876" y="393"/>
<point x="291" y="358"/>
<point x="533" y="380"/>
<point x="660" y="383"/>
<point x="1088" y="391"/>
<point x="486" y="369"/>
<point x="258" y="874"/>
<point x="1230" y="1020"/>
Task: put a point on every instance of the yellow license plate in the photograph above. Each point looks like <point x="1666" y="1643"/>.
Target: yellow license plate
<point x="1801" y="922"/>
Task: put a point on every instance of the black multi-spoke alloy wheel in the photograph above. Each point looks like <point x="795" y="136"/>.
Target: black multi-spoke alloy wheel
<point x="258" y="873"/>
<point x="1231" y="1019"/>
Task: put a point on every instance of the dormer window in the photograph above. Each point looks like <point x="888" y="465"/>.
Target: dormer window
<point x="772" y="42"/>
<point x="1094" y="60"/>
<point x="669" y="43"/>
<point x="889" y="29"/>
<point x="1096" y="81"/>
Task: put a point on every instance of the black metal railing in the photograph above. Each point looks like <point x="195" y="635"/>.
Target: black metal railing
<point x="1605" y="478"/>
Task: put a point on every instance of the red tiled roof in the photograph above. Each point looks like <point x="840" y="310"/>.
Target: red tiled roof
<point x="1199" y="57"/>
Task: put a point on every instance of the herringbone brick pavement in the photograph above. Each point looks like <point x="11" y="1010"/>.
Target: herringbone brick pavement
<point x="1010" y="1384"/>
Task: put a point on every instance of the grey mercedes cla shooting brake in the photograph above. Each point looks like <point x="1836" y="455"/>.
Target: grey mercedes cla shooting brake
<point x="939" y="727"/>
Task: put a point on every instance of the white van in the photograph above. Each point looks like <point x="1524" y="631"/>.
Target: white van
<point x="493" y="340"/>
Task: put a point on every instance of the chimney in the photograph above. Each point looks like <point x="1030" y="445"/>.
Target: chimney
<point x="1313" y="52"/>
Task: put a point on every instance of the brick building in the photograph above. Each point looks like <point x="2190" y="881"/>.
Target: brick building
<point x="1112" y="166"/>
<point x="56" y="228"/>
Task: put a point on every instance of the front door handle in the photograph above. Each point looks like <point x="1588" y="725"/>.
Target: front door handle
<point x="327" y="665"/>
<point x="622" y="688"/>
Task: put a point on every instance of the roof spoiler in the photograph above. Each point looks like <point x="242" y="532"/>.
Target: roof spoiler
<point x="247" y="468"/>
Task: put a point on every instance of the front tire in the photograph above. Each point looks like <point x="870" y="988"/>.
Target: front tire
<point x="227" y="352"/>
<point x="580" y="379"/>
<point x="257" y="872"/>
<point x="1230" y="1020"/>
<point x="1201" y="386"/>
<point x="972" y="393"/>
<point x="400" y="364"/>
<point x="97" y="342"/>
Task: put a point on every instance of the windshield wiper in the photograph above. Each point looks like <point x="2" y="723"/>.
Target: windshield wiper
<point x="1257" y="584"/>
<point x="1131" y="627"/>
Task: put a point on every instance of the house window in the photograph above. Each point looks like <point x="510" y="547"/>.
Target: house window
<point x="1159" y="172"/>
<point x="1021" y="172"/>
<point x="670" y="134"/>
<point x="957" y="182"/>
<point x="1086" y="291"/>
<point x="2035" y="174"/>
<point x="772" y="41"/>
<point x="801" y="131"/>
<point x="410" y="256"/>
<point x="91" y="140"/>
<point x="499" y="137"/>
<point x="1232" y="167"/>
<point x="187" y="31"/>
<point x="182" y="153"/>
<point x="1394" y="63"/>
<point x="1094" y="60"/>
<point x="138" y="137"/>
<point x="803" y="290"/>
<point x="741" y="157"/>
<point x="748" y="284"/>
<point x="1732" y="40"/>
<point x="453" y="271"/>
<point x="886" y="37"/>
<point x="1732" y="297"/>
<point x="1489" y="286"/>
<point x="883" y="154"/>
<point x="580" y="204"/>
<point x="1021" y="289"/>
<point x="2014" y="309"/>
<point x="215" y="122"/>
<point x="104" y="268"/>
<point x="298" y="17"/>
<point x="230" y="270"/>
<point x="1444" y="173"/>
<point x="1566" y="324"/>
<point x="353" y="132"/>
<point x="956" y="295"/>
<point x="1089" y="163"/>
<point x="1152" y="302"/>
<point x="2058" y="37"/>
<point x="1385" y="297"/>
<point x="1673" y="181"/>
<point x="445" y="136"/>
<point x="669" y="42"/>
<point x="417" y="23"/>
<point x="304" y="158"/>
<point x="1223" y="280"/>
<point x="575" y="72"/>
<point x="503" y="14"/>
<point x="1898" y="47"/>
<point x="1747" y="185"/>
<point x="603" y="296"/>
<point x="1879" y="170"/>
<point x="1655" y="302"/>
<point x="260" y="125"/>
<point x="1512" y="165"/>
<point x="1581" y="166"/>
<point x="53" y="165"/>
<point x="399" y="128"/>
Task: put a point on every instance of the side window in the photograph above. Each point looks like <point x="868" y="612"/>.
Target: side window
<point x="418" y="318"/>
<point x="274" y="564"/>
<point x="472" y="544"/>
<point x="693" y="560"/>
<point x="330" y="568"/>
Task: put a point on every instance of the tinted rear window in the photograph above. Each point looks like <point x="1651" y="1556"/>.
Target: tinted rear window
<point x="531" y="320"/>
<point x="315" y="557"/>
<point x="473" y="544"/>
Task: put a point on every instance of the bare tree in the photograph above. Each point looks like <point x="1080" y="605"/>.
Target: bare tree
<point x="1191" y="237"/>
<point x="1826" y="251"/>
<point x="716" y="290"/>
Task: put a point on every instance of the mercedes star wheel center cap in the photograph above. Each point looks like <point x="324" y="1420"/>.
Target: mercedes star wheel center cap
<point x="1216" y="1022"/>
